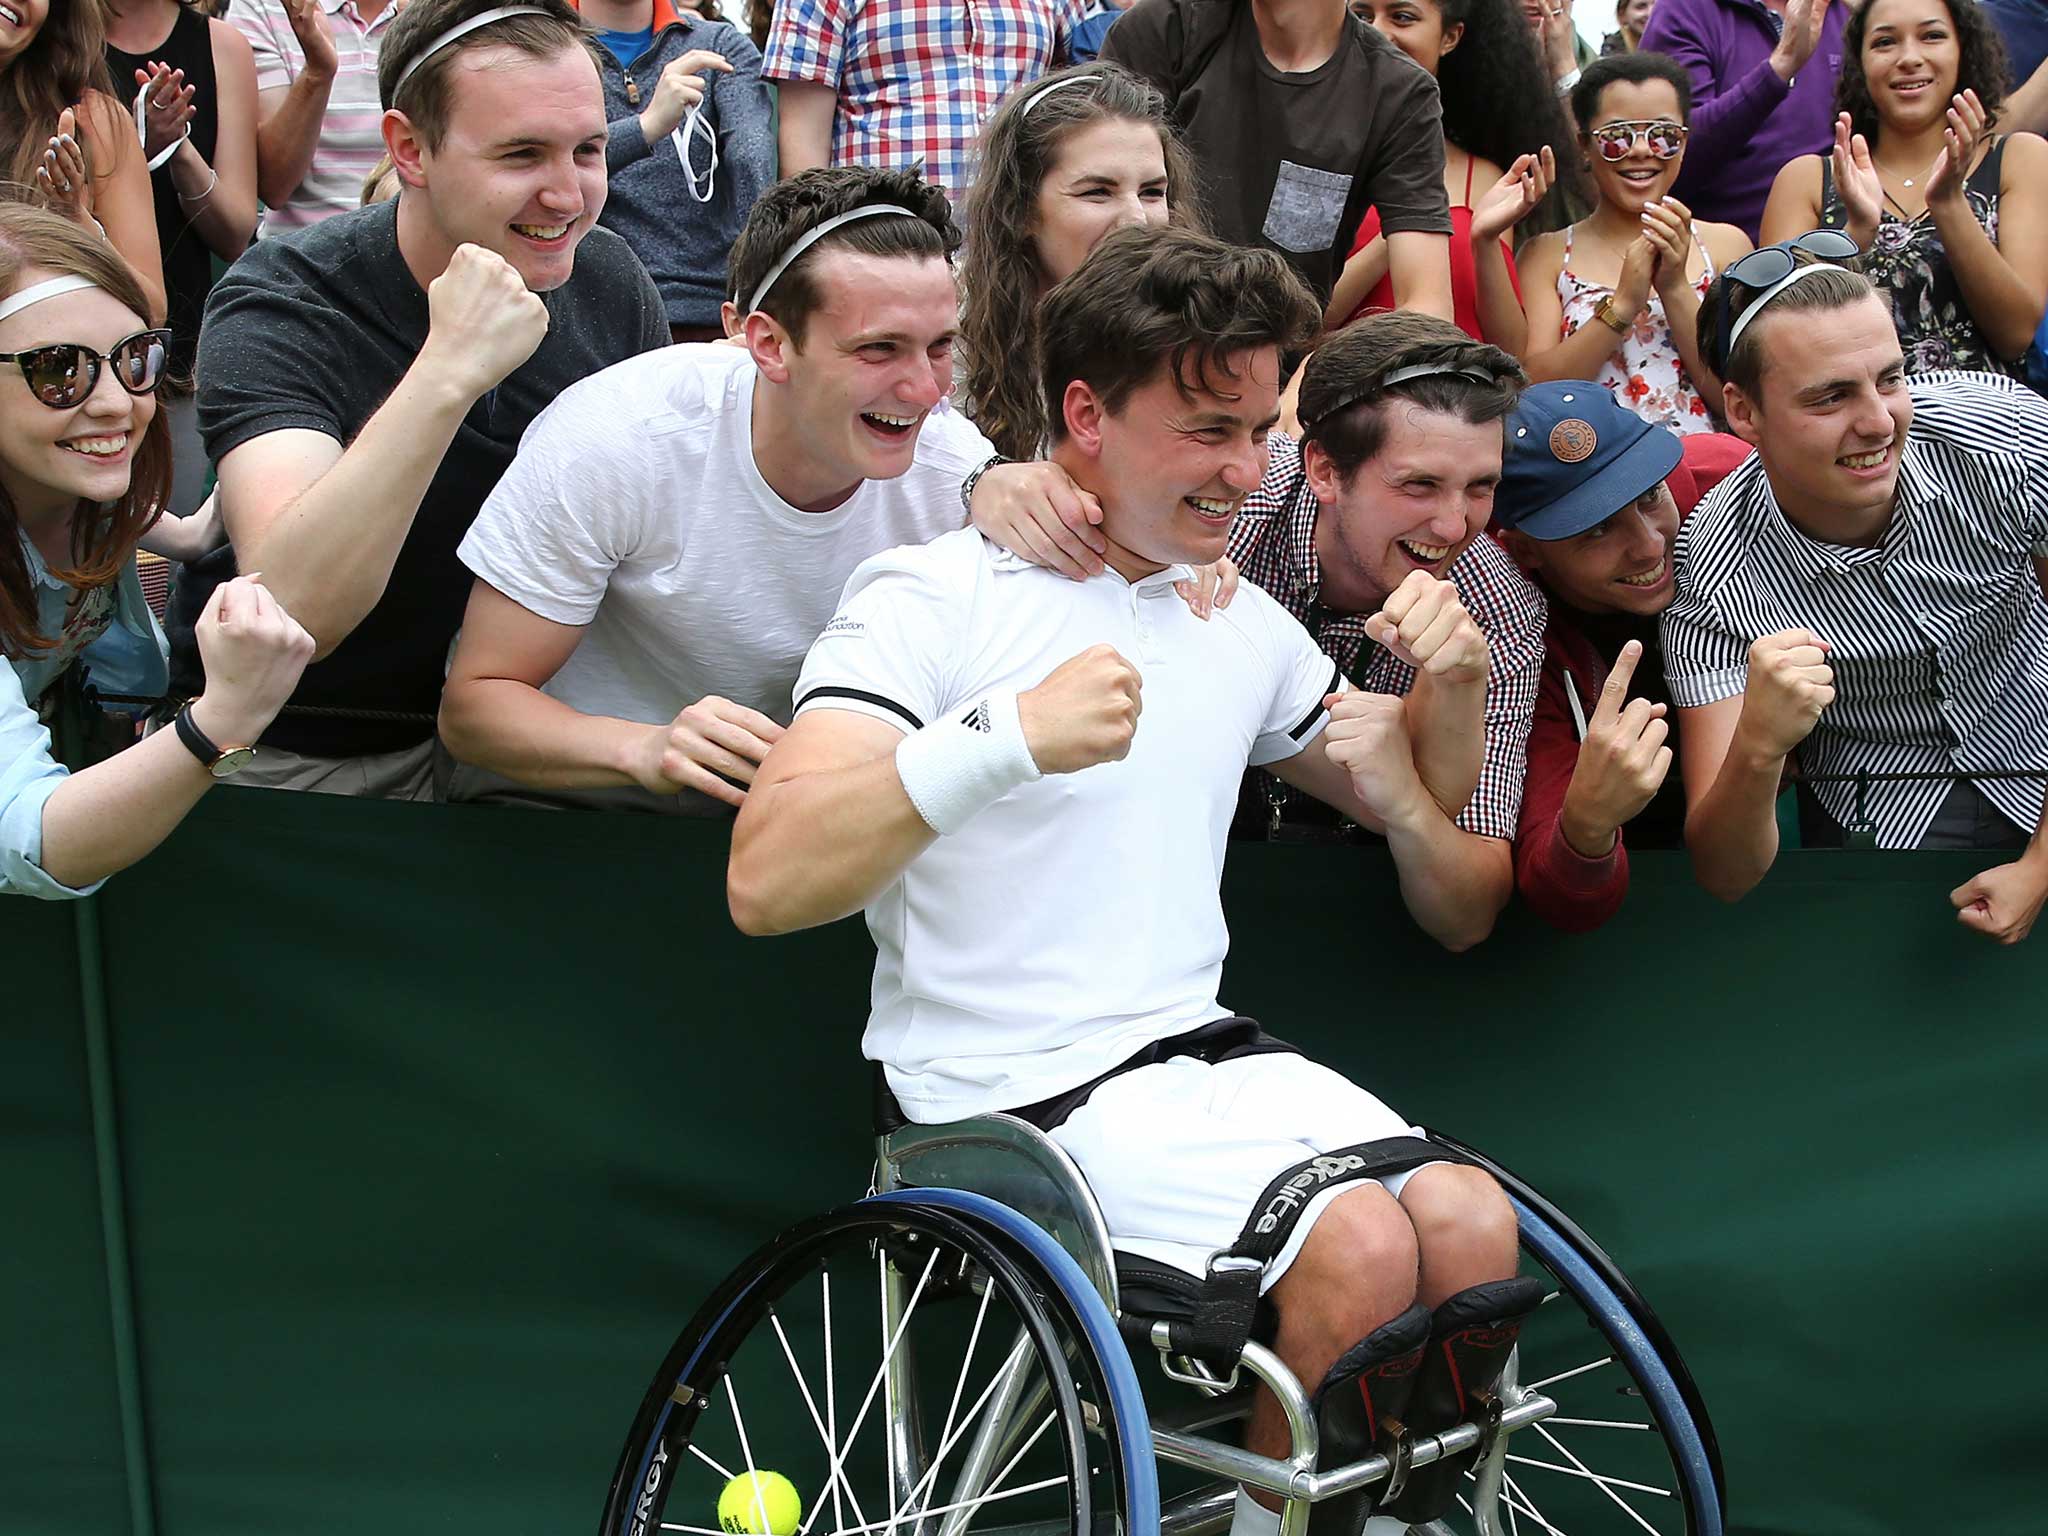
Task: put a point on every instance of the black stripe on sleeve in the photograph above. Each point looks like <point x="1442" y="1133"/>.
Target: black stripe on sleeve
<point x="866" y="698"/>
<point x="1301" y="730"/>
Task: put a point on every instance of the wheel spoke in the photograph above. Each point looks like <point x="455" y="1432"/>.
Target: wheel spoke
<point x="868" y="1401"/>
<point x="888" y="1390"/>
<point x="746" y="1452"/>
<point x="1602" y="1424"/>
<point x="1548" y="1381"/>
<point x="832" y="1402"/>
<point x="1602" y="1482"/>
<point x="1514" y="1491"/>
<point x="1580" y="1471"/>
<point x="697" y="1452"/>
<point x="818" y="1424"/>
<point x="1011" y="1363"/>
<point x="943" y="1509"/>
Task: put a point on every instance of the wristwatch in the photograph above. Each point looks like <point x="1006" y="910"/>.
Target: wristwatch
<point x="1608" y="311"/>
<point x="973" y="479"/>
<point x="221" y="762"/>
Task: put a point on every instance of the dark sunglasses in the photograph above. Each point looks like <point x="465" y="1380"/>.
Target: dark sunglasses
<point x="65" y="373"/>
<point x="1615" y="140"/>
<point x="1761" y="268"/>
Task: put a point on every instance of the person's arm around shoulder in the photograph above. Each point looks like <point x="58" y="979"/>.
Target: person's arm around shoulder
<point x="326" y="525"/>
<point x="102" y="819"/>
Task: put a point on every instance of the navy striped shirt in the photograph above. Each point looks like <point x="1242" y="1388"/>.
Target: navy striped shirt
<point x="1938" y="637"/>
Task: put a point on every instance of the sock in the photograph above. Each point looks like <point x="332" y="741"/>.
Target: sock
<point x="1253" y="1518"/>
<point x="1385" y="1525"/>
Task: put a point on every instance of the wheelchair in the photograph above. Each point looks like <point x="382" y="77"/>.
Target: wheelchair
<point x="964" y="1351"/>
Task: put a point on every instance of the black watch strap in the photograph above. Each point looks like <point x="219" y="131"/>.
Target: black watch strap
<point x="973" y="479"/>
<point x="197" y="742"/>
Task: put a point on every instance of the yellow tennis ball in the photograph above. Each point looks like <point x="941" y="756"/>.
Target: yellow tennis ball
<point x="751" y="1495"/>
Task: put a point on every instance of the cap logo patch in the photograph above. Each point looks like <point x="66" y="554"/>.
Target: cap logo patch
<point x="1573" y="440"/>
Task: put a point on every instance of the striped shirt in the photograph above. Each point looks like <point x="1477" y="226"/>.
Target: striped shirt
<point x="351" y="141"/>
<point x="1274" y="545"/>
<point x="1938" y="637"/>
<point x="917" y="78"/>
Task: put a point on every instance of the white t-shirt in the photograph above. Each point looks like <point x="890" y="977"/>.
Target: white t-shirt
<point x="635" y="508"/>
<point x="1078" y="919"/>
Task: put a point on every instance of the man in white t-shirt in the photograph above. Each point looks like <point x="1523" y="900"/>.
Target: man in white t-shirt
<point x="674" y="531"/>
<point x="1040" y="866"/>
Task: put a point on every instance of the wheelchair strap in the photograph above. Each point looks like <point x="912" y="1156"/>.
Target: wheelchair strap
<point x="1226" y="1307"/>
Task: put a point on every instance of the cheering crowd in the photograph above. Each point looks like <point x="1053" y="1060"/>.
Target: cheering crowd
<point x="514" y="391"/>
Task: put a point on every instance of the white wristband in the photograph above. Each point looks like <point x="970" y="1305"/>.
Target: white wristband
<point x="952" y="769"/>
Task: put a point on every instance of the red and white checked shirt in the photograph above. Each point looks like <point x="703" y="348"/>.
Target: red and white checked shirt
<point x="1274" y="544"/>
<point x="917" y="78"/>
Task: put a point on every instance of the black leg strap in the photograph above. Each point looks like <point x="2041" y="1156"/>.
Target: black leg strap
<point x="1361" y="1403"/>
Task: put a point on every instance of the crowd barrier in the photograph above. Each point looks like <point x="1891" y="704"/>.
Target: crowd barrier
<point x="363" y="1159"/>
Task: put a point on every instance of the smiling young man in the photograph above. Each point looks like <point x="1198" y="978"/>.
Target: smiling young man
<point x="676" y="529"/>
<point x="1383" y="504"/>
<point x="1590" y="499"/>
<point x="1865" y="595"/>
<point x="364" y="382"/>
<point x="1027" y="783"/>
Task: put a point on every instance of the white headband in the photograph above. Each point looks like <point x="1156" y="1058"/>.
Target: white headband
<point x="1058" y="85"/>
<point x="1756" y="305"/>
<point x="459" y="30"/>
<point x="35" y="293"/>
<point x="812" y="237"/>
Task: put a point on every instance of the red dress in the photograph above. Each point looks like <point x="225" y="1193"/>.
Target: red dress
<point x="1464" y="271"/>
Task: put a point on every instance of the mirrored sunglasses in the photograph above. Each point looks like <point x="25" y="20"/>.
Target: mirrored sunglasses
<point x="1615" y="140"/>
<point x="65" y="374"/>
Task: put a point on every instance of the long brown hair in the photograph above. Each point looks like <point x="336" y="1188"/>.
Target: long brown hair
<point x="101" y="540"/>
<point x="1000" y="270"/>
<point x="64" y="60"/>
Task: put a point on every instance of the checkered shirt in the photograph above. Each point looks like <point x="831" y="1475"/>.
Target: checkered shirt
<point x="1274" y="544"/>
<point x="917" y="78"/>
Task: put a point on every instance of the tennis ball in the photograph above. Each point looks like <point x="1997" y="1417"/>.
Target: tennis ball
<point x="740" y="1510"/>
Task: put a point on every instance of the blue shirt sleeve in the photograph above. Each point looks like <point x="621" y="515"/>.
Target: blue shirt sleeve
<point x="28" y="777"/>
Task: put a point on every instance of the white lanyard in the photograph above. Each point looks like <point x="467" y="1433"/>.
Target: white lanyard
<point x="681" y="137"/>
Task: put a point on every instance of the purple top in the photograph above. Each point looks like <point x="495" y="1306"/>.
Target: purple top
<point x="1747" y="124"/>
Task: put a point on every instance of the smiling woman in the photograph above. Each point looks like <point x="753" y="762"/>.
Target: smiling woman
<point x="85" y="468"/>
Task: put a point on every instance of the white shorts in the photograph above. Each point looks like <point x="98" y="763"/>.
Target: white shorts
<point x="1179" y="1152"/>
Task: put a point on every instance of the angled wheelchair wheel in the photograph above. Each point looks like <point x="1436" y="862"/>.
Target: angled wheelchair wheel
<point x="911" y="1364"/>
<point x="1631" y="1451"/>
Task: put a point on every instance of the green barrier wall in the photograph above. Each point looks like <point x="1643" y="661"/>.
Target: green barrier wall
<point x="436" y="1123"/>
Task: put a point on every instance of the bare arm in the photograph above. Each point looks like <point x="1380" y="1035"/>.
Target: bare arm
<point x="1447" y="722"/>
<point x="122" y="200"/>
<point x="805" y="137"/>
<point x="494" y="714"/>
<point x="325" y="526"/>
<point x="2026" y="108"/>
<point x="2005" y="284"/>
<point x="1421" y="267"/>
<point x="225" y="216"/>
<point x="287" y="134"/>
<point x="1731" y="787"/>
<point x="826" y="828"/>
<point x="1502" y="320"/>
<point x="1361" y="274"/>
<point x="1794" y="204"/>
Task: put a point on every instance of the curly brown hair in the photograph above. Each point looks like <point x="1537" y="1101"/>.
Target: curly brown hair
<point x="1000" y="274"/>
<point x="1981" y="68"/>
<point x="62" y="64"/>
<point x="100" y="542"/>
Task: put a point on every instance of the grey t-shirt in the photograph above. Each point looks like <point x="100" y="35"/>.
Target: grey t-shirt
<point x="1292" y="161"/>
<point x="314" y="330"/>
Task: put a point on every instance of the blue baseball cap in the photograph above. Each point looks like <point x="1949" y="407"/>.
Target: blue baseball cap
<point x="1575" y="457"/>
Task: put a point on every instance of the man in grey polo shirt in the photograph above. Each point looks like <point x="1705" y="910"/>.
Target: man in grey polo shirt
<point x="1875" y="576"/>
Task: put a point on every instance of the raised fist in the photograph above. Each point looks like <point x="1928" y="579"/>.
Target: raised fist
<point x="484" y="321"/>
<point x="1790" y="683"/>
<point x="1368" y="738"/>
<point x="1425" y="624"/>
<point x="1084" y="713"/>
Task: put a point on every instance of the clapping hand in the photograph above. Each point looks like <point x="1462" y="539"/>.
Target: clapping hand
<point x="1514" y="197"/>
<point x="167" y="107"/>
<point x="1966" y="124"/>
<point x="65" y="177"/>
<point x="1856" y="182"/>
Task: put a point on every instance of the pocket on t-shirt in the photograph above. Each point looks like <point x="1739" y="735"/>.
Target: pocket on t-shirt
<point x="1307" y="207"/>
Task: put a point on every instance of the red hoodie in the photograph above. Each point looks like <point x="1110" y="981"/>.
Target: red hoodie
<point x="1563" y="887"/>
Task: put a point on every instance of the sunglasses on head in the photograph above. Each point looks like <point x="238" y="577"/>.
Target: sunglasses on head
<point x="66" y="373"/>
<point x="1768" y="265"/>
<point x="1615" y="140"/>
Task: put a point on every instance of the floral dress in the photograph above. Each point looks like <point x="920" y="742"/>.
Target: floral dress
<point x="1910" y="268"/>
<point x="1645" y="371"/>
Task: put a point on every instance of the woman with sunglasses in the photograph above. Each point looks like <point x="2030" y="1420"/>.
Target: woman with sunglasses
<point x="1616" y="296"/>
<point x="84" y="471"/>
<point x="1953" y="218"/>
<point x="1499" y="110"/>
<point x="70" y="142"/>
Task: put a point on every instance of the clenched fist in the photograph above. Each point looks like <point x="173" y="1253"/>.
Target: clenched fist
<point x="483" y="320"/>
<point x="1424" y="623"/>
<point x="1084" y="713"/>
<point x="1790" y="683"/>
<point x="1368" y="738"/>
<point x="1622" y="762"/>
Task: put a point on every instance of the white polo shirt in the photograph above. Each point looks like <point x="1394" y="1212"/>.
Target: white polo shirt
<point x="635" y="510"/>
<point x="1078" y="919"/>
